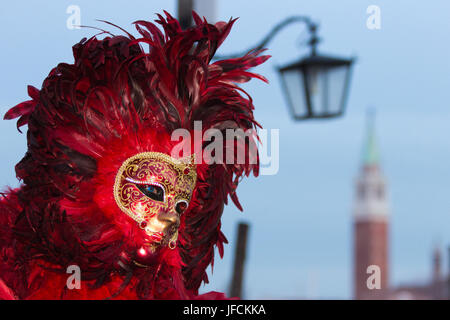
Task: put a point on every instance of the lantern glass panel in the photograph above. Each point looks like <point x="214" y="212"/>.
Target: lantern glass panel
<point x="327" y="86"/>
<point x="295" y="89"/>
<point x="317" y="88"/>
<point x="337" y="88"/>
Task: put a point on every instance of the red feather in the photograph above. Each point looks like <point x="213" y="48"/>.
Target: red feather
<point x="114" y="101"/>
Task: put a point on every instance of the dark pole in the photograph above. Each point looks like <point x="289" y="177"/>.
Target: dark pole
<point x="185" y="13"/>
<point x="448" y="274"/>
<point x="239" y="260"/>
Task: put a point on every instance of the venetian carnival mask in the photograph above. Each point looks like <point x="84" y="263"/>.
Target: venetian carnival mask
<point x="154" y="190"/>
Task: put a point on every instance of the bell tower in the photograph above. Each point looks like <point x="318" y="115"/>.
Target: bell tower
<point x="370" y="223"/>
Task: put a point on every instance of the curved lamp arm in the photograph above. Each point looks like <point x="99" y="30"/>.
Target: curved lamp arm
<point x="312" y="27"/>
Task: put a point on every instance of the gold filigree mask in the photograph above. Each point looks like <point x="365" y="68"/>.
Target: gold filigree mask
<point x="154" y="189"/>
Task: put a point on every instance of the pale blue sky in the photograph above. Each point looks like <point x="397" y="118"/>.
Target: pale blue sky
<point x="300" y="236"/>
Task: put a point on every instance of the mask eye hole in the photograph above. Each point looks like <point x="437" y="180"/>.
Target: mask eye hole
<point x="154" y="192"/>
<point x="181" y="206"/>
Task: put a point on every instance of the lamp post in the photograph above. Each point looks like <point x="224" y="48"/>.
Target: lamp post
<point x="204" y="8"/>
<point x="316" y="86"/>
<point x="448" y="274"/>
<point x="185" y="8"/>
<point x="239" y="261"/>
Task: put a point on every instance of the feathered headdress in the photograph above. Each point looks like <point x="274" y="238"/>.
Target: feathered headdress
<point x="118" y="99"/>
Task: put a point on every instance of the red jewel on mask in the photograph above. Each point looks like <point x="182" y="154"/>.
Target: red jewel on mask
<point x="142" y="252"/>
<point x="145" y="257"/>
<point x="186" y="171"/>
<point x="143" y="224"/>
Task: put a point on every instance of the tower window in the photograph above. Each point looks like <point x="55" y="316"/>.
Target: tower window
<point x="380" y="192"/>
<point x="361" y="191"/>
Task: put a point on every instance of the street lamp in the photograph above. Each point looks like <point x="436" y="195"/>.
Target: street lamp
<point x="316" y="86"/>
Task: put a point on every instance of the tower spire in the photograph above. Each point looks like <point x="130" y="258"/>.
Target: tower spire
<point x="371" y="156"/>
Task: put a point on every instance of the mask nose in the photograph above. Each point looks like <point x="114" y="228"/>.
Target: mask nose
<point x="168" y="219"/>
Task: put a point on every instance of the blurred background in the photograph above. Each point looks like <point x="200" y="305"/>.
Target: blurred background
<point x="303" y="226"/>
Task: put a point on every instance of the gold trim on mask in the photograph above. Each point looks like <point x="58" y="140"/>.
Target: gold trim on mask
<point x="176" y="177"/>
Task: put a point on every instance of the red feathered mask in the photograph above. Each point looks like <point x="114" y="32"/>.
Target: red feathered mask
<point x="118" y="100"/>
